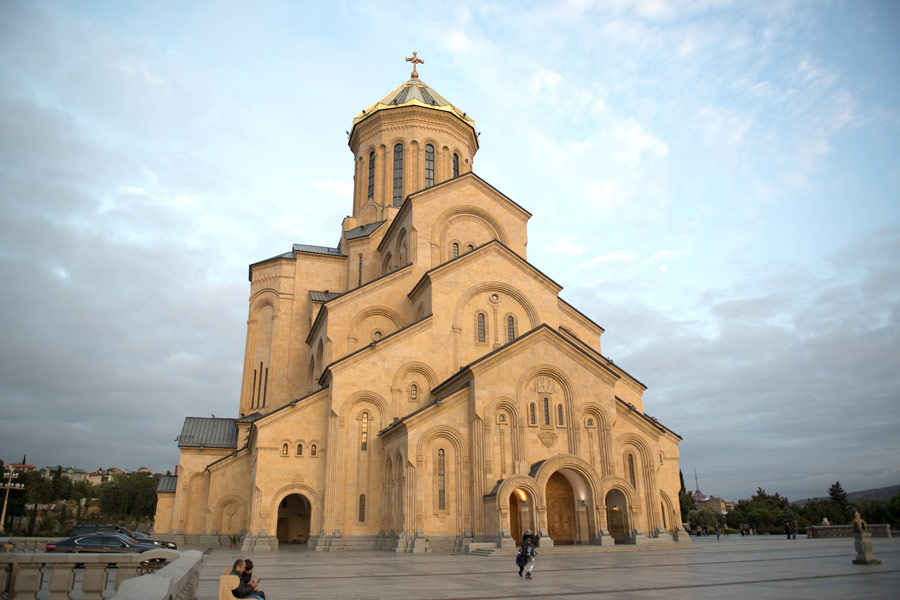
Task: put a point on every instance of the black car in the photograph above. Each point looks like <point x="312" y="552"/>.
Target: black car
<point x="144" y="539"/>
<point x="106" y="542"/>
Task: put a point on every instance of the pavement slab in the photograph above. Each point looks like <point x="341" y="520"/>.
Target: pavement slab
<point x="757" y="567"/>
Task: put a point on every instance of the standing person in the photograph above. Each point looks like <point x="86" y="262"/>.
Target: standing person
<point x="242" y="590"/>
<point x="794" y="529"/>
<point x="248" y="578"/>
<point x="787" y="529"/>
<point x="717" y="532"/>
<point x="529" y="551"/>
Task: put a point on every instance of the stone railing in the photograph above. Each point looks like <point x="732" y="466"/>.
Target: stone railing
<point x="833" y="531"/>
<point x="179" y="580"/>
<point x="26" y="544"/>
<point x="50" y="575"/>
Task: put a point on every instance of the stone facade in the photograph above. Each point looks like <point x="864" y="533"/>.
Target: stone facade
<point x="422" y="387"/>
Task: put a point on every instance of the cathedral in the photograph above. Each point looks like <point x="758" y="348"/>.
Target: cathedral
<point x="421" y="387"/>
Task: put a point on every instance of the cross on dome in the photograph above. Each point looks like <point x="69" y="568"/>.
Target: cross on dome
<point x="415" y="60"/>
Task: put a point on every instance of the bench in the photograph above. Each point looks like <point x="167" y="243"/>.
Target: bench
<point x="227" y="583"/>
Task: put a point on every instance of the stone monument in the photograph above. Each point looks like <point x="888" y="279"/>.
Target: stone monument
<point x="862" y="541"/>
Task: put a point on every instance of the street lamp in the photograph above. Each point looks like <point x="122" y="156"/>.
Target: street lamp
<point x="8" y="476"/>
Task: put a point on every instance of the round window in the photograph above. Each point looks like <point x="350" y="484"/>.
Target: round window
<point x="495" y="298"/>
<point x="376" y="335"/>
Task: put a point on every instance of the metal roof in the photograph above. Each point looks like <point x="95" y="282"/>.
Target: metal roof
<point x="317" y="249"/>
<point x="323" y="296"/>
<point x="208" y="433"/>
<point x="167" y="484"/>
<point x="363" y="230"/>
<point x="414" y="93"/>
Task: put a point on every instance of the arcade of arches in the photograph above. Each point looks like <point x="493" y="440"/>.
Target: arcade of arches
<point x="421" y="386"/>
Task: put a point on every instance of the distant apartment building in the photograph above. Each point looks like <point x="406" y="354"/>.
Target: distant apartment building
<point x="74" y="474"/>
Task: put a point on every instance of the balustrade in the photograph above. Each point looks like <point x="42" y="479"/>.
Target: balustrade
<point x="100" y="576"/>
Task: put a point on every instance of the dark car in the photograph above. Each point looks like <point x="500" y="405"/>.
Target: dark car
<point x="105" y="542"/>
<point x="85" y="529"/>
<point x="145" y="539"/>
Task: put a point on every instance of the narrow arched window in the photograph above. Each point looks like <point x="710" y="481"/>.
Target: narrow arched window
<point x="532" y="414"/>
<point x="371" y="174"/>
<point x="359" y="271"/>
<point x="398" y="174"/>
<point x="442" y="492"/>
<point x="662" y="508"/>
<point x="362" y="508"/>
<point x="299" y="449"/>
<point x="469" y="248"/>
<point x="590" y="422"/>
<point x="482" y="336"/>
<point x="429" y="165"/>
<point x="546" y="411"/>
<point x="454" y="250"/>
<point x="559" y="415"/>
<point x="413" y="393"/>
<point x="501" y="418"/>
<point x="510" y="328"/>
<point x="364" y="432"/>
<point x="312" y="450"/>
<point x="631" y="470"/>
<point x="456" y="165"/>
<point x="284" y="449"/>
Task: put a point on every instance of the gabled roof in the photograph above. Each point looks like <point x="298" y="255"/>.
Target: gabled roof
<point x="407" y="204"/>
<point x="167" y="484"/>
<point x="648" y="418"/>
<point x="205" y="432"/>
<point x="458" y="380"/>
<point x="474" y="253"/>
<point x="363" y="230"/>
<point x="471" y="174"/>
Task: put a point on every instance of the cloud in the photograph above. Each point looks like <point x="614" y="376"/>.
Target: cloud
<point x="341" y="189"/>
<point x="617" y="256"/>
<point x="791" y="358"/>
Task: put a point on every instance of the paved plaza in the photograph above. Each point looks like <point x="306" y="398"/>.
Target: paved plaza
<point x="758" y="567"/>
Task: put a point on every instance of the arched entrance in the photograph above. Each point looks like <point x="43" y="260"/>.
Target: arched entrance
<point x="293" y="519"/>
<point x="560" y="510"/>
<point x="519" y="514"/>
<point x="616" y="515"/>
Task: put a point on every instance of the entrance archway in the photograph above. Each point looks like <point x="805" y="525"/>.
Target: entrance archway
<point x="293" y="519"/>
<point x="616" y="515"/>
<point x="519" y="514"/>
<point x="560" y="510"/>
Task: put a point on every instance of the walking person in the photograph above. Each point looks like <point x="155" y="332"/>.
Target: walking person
<point x="528" y="549"/>
<point x="787" y="529"/>
<point x="718" y="531"/>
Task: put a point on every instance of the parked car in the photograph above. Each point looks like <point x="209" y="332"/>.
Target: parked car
<point x="85" y="529"/>
<point x="105" y="542"/>
<point x="145" y="539"/>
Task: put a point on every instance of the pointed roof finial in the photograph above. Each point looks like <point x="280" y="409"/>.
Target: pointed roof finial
<point x="415" y="60"/>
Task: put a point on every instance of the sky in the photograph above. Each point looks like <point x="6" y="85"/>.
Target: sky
<point x="715" y="183"/>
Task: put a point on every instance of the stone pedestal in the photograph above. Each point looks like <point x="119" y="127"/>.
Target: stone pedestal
<point x="862" y="541"/>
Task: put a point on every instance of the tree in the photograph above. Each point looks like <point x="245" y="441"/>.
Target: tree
<point x="685" y="500"/>
<point x="838" y="495"/>
<point x="131" y="495"/>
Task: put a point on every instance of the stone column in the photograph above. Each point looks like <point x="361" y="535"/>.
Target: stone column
<point x="862" y="542"/>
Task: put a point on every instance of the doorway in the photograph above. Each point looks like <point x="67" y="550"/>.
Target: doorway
<point x="293" y="520"/>
<point x="616" y="516"/>
<point x="560" y="510"/>
<point x="519" y="515"/>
